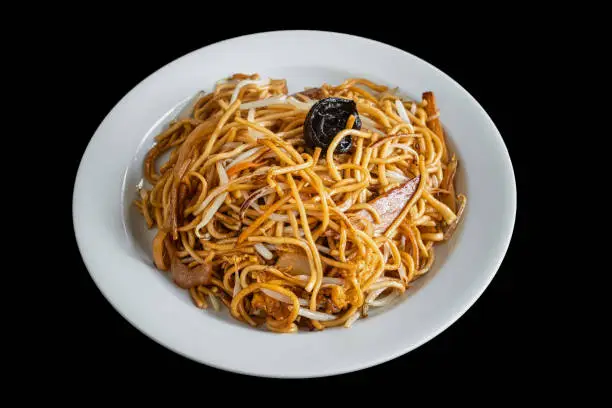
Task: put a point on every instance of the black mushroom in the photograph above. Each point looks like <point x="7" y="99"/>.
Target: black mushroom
<point x="326" y="119"/>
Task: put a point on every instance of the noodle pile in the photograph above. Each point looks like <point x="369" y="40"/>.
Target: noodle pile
<point x="286" y="236"/>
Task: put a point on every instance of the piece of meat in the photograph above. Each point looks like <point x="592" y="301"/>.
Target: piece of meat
<point x="325" y="301"/>
<point x="312" y="93"/>
<point x="298" y="262"/>
<point x="436" y="126"/>
<point x="338" y="297"/>
<point x="274" y="308"/>
<point x="390" y="205"/>
<point x="187" y="278"/>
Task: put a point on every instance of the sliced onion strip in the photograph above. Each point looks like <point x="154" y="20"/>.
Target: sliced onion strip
<point x="349" y="322"/>
<point x="309" y="314"/>
<point x="256" y="134"/>
<point x="258" y="82"/>
<point x="215" y="302"/>
<point x="345" y="205"/>
<point x="278" y="217"/>
<point x="332" y="281"/>
<point x="413" y="108"/>
<point x="237" y="285"/>
<point x="243" y="156"/>
<point x="282" y="297"/>
<point x="403" y="114"/>
<point x="369" y="124"/>
<point x="327" y="280"/>
<point x="216" y="204"/>
<point x="323" y="249"/>
<point x="402" y="273"/>
<point x="386" y="252"/>
<point x="386" y="300"/>
<point x="250" y="200"/>
<point x="396" y="176"/>
<point x="404" y="147"/>
<point x="226" y="81"/>
<point x="299" y="104"/>
<point x="264" y="102"/>
<point x="263" y="251"/>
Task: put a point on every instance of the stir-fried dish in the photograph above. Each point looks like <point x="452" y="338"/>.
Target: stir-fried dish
<point x="303" y="210"/>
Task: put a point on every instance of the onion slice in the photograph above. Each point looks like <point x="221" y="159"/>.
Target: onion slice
<point x="256" y="134"/>
<point x="282" y="297"/>
<point x="402" y="111"/>
<point x="386" y="300"/>
<point x="404" y="147"/>
<point x="402" y="114"/>
<point x="279" y="217"/>
<point x="263" y="251"/>
<point x="273" y="217"/>
<point x="327" y="280"/>
<point x="369" y="124"/>
<point x="215" y="302"/>
<point x="323" y="249"/>
<point x="349" y="322"/>
<point x="309" y="314"/>
<point x="413" y="108"/>
<point x="386" y="252"/>
<point x="374" y="294"/>
<point x="237" y="285"/>
<point x="226" y="81"/>
<point x="299" y="104"/>
<point x="258" y="82"/>
<point x="244" y="156"/>
<point x="257" y="194"/>
<point x="264" y="102"/>
<point x="396" y="176"/>
<point x="402" y="273"/>
<point x="332" y="281"/>
<point x="345" y="205"/>
<point x="216" y="204"/>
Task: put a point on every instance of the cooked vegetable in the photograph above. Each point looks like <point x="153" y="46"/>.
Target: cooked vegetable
<point x="328" y="117"/>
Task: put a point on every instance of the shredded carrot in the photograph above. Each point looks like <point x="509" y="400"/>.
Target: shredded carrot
<point x="242" y="166"/>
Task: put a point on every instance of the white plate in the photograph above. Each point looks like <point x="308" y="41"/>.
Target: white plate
<point x="116" y="250"/>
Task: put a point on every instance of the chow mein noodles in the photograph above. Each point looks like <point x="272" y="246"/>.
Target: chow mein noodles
<point x="300" y="211"/>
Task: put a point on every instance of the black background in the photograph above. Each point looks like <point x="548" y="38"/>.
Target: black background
<point x="493" y="57"/>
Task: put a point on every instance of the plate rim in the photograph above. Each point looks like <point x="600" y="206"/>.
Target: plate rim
<point x="503" y="243"/>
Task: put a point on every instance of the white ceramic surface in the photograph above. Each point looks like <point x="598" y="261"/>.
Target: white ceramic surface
<point x="116" y="247"/>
